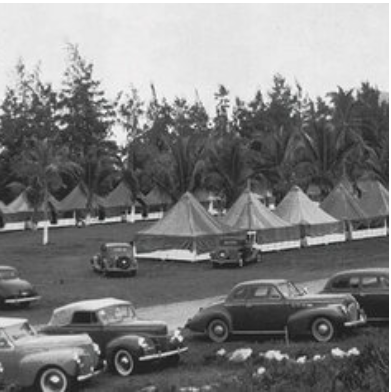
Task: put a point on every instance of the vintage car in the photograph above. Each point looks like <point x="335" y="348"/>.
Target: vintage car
<point x="15" y="291"/>
<point x="368" y="285"/>
<point x="115" y="258"/>
<point x="277" y="307"/>
<point x="234" y="251"/>
<point x="47" y="363"/>
<point x="125" y="340"/>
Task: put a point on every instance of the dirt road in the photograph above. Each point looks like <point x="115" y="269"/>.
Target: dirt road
<point x="176" y="314"/>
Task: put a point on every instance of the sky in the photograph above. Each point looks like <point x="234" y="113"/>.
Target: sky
<point x="181" y="48"/>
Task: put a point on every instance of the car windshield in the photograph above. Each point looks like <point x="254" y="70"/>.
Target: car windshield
<point x="289" y="290"/>
<point x="8" y="274"/>
<point x="116" y="314"/>
<point x="119" y="250"/>
<point x="20" y="331"/>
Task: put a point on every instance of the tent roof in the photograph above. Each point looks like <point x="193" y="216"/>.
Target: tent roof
<point x="120" y="196"/>
<point x="342" y="205"/>
<point x="298" y="209"/>
<point x="19" y="204"/>
<point x="248" y="213"/>
<point x="374" y="198"/>
<point x="157" y="197"/>
<point x="77" y="200"/>
<point x="187" y="218"/>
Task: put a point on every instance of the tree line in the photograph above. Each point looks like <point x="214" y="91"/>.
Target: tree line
<point x="51" y="140"/>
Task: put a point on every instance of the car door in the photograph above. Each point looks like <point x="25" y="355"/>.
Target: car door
<point x="86" y="322"/>
<point x="236" y="307"/>
<point x="265" y="310"/>
<point x="9" y="358"/>
<point x="374" y="296"/>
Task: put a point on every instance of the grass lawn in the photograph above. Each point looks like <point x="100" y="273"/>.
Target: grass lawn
<point x="61" y="272"/>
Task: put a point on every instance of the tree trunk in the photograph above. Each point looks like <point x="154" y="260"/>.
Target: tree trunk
<point x="45" y="231"/>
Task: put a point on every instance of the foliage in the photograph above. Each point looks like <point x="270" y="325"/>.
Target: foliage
<point x="279" y="138"/>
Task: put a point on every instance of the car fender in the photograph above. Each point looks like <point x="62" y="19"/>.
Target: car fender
<point x="32" y="364"/>
<point x="129" y="342"/>
<point x="300" y="322"/>
<point x="217" y="313"/>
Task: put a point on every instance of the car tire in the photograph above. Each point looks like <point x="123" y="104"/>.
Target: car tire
<point x="218" y="330"/>
<point x="53" y="379"/>
<point x="322" y="329"/>
<point x="124" y="362"/>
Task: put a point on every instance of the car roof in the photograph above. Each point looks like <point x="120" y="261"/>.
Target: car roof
<point x="259" y="281"/>
<point x="10" y="321"/>
<point x="114" y="244"/>
<point x="6" y="268"/>
<point x="92" y="305"/>
<point x="63" y="315"/>
<point x="362" y="271"/>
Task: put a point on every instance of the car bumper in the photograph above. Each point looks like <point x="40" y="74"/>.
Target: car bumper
<point x="356" y="323"/>
<point x="100" y="369"/>
<point x="162" y="355"/>
<point x="20" y="300"/>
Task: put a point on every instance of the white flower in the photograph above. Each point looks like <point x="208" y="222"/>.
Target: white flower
<point x="302" y="359"/>
<point x="275" y="354"/>
<point x="240" y="355"/>
<point x="221" y="352"/>
<point x="318" y="357"/>
<point x="353" y="351"/>
<point x="260" y="371"/>
<point x="337" y="352"/>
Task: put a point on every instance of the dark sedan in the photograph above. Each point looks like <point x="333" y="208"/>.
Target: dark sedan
<point x="368" y="285"/>
<point x="277" y="307"/>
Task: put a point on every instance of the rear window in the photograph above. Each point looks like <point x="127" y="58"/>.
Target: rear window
<point x="346" y="282"/>
<point x="375" y="282"/>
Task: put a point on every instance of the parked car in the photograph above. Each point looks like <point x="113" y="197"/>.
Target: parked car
<point x="368" y="285"/>
<point x="125" y="340"/>
<point x="276" y="307"/>
<point x="47" y="363"/>
<point x="234" y="251"/>
<point x="115" y="258"/>
<point x="15" y="291"/>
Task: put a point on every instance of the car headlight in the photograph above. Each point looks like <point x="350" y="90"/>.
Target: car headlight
<point x="177" y="335"/>
<point x="76" y="358"/>
<point x="96" y="348"/>
<point x="344" y="309"/>
<point x="142" y="342"/>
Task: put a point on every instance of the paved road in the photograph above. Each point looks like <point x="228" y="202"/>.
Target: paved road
<point x="176" y="314"/>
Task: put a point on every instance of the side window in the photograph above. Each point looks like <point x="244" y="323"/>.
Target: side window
<point x="354" y="282"/>
<point x="341" y="283"/>
<point x="260" y="292"/>
<point x="240" y="293"/>
<point x="372" y="282"/>
<point x="84" y="318"/>
<point x="274" y="293"/>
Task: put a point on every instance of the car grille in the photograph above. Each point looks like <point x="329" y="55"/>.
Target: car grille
<point x="353" y="311"/>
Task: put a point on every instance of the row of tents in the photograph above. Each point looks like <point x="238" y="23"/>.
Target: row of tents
<point x="189" y="232"/>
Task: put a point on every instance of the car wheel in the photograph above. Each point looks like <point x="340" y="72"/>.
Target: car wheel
<point x="124" y="362"/>
<point x="53" y="379"/>
<point x="218" y="331"/>
<point x="322" y="329"/>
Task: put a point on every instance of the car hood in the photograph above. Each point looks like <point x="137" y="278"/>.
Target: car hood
<point x="140" y="326"/>
<point x="47" y="342"/>
<point x="14" y="286"/>
<point x="323" y="299"/>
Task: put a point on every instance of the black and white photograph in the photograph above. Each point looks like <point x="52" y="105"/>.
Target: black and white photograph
<point x="194" y="197"/>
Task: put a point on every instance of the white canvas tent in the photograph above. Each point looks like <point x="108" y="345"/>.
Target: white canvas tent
<point x="317" y="227"/>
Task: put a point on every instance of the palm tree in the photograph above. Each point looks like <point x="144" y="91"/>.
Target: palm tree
<point x="41" y="166"/>
<point x="180" y="168"/>
<point x="227" y="169"/>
